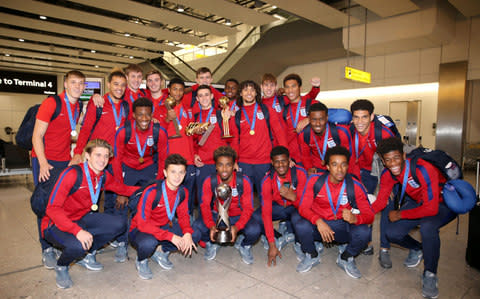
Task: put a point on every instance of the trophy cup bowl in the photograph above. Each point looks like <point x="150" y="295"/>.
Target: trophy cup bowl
<point x="223" y="102"/>
<point x="224" y="235"/>
<point x="170" y="103"/>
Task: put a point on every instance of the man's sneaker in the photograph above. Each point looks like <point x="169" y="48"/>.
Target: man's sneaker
<point x="239" y="241"/>
<point x="63" y="278"/>
<point x="384" y="258"/>
<point x="414" y="258"/>
<point x="121" y="254"/>
<point x="429" y="285"/>
<point x="90" y="262"/>
<point x="349" y="266"/>
<point x="161" y="258"/>
<point x="114" y="244"/>
<point x="49" y="258"/>
<point x="246" y="254"/>
<point x="297" y="247"/>
<point x="264" y="241"/>
<point x="143" y="269"/>
<point x="282" y="228"/>
<point x="307" y="263"/>
<point x="368" y="250"/>
<point x="342" y="247"/>
<point x="210" y="251"/>
<point x="319" y="246"/>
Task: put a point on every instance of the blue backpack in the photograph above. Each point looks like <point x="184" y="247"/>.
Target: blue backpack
<point x="448" y="167"/>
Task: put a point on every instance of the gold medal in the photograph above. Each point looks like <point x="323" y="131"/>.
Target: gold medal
<point x="140" y="160"/>
<point x="94" y="207"/>
<point x="252" y="132"/>
<point x="116" y="128"/>
<point x="170" y="223"/>
<point x="73" y="133"/>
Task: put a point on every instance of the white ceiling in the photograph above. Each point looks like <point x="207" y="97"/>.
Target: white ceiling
<point x="95" y="36"/>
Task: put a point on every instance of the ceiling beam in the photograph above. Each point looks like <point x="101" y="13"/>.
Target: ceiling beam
<point x="468" y="8"/>
<point x="230" y="10"/>
<point x="388" y="8"/>
<point x="157" y="14"/>
<point x="63" y="13"/>
<point x="72" y="66"/>
<point x="60" y="50"/>
<point x="38" y="68"/>
<point x="316" y="11"/>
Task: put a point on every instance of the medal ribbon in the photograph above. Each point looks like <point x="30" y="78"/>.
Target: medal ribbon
<point x="322" y="156"/>
<point x="141" y="150"/>
<point x="93" y="194"/>
<point x="251" y="123"/>
<point x="334" y="209"/>
<point x="297" y="114"/>
<point x="118" y="117"/>
<point x="234" y="105"/>
<point x="170" y="213"/>
<point x="279" y="185"/>
<point x="72" y="118"/>
<point x="274" y="102"/>
<point x="208" y="116"/>
<point x="356" y="145"/>
<point x="180" y="117"/>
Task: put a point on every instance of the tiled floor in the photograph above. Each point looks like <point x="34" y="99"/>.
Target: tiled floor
<point x="23" y="276"/>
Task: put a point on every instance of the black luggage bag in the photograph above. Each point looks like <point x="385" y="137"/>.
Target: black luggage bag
<point x="473" y="246"/>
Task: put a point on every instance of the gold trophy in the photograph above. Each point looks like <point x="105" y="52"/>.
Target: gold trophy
<point x="224" y="193"/>
<point x="223" y="102"/>
<point x="170" y="103"/>
<point x="195" y="127"/>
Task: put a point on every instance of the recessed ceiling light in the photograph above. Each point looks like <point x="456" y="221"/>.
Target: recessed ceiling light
<point x="127" y="34"/>
<point x="43" y="17"/>
<point x="180" y="8"/>
<point x="21" y="40"/>
<point x="97" y="66"/>
<point x="131" y="57"/>
<point x="171" y="44"/>
<point x="93" y="51"/>
<point x="6" y="54"/>
<point x="274" y="6"/>
<point x="228" y="22"/>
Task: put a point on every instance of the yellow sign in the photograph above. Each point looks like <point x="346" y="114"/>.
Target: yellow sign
<point x="357" y="75"/>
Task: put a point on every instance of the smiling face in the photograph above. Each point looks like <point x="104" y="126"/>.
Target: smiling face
<point x="176" y="92"/>
<point x="337" y="166"/>
<point x="143" y="117"/>
<point x="280" y="164"/>
<point x="98" y="159"/>
<point x="154" y="83"/>
<point x="204" y="97"/>
<point x="248" y="95"/>
<point x="174" y="175"/>
<point x="204" y="79"/>
<point x="74" y="87"/>
<point x="117" y="87"/>
<point x="134" y="80"/>
<point x="231" y="90"/>
<point x="292" y="90"/>
<point x="394" y="161"/>
<point x="362" y="119"/>
<point x="269" y="88"/>
<point x="318" y="121"/>
<point x="224" y="167"/>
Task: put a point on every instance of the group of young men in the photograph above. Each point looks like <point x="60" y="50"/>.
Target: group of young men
<point x="313" y="176"/>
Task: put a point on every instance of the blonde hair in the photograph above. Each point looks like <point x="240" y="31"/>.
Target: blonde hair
<point x="98" y="143"/>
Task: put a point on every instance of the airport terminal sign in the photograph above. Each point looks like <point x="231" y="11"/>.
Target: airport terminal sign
<point x="27" y="83"/>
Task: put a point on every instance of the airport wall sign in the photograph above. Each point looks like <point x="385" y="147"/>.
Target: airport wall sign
<point x="357" y="75"/>
<point x="19" y="82"/>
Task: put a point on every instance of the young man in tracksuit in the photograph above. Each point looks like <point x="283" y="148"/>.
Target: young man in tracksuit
<point x="256" y="135"/>
<point x="203" y="77"/>
<point x="134" y="79"/>
<point x="231" y="92"/>
<point x="52" y="141"/>
<point x="296" y="112"/>
<point x="423" y="206"/>
<point x="167" y="223"/>
<point x="181" y="144"/>
<point x="239" y="212"/>
<point x="364" y="145"/>
<point x="204" y="153"/>
<point x="138" y="160"/>
<point x="321" y="139"/>
<point x="282" y="189"/>
<point x="158" y="95"/>
<point x="72" y="223"/>
<point x="334" y="214"/>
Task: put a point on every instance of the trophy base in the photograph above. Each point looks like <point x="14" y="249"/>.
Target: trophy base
<point x="226" y="137"/>
<point x="223" y="236"/>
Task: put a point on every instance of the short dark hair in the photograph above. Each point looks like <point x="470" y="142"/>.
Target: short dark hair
<point x="232" y="80"/>
<point x="203" y="70"/>
<point x="295" y="77"/>
<point x="362" y="104"/>
<point x="142" y="102"/>
<point x="133" y="68"/>
<point x="337" y="151"/>
<point x="279" y="150"/>
<point x="203" y="86"/>
<point x="175" y="159"/>
<point x="318" y="106"/>
<point x="388" y="145"/>
<point x="269" y="77"/>
<point x="176" y="80"/>
<point x="74" y="73"/>
<point x="225" y="151"/>
<point x="250" y="83"/>
<point x="116" y="74"/>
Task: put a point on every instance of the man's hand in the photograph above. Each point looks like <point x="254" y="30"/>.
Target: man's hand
<point x="301" y="125"/>
<point x="273" y="252"/>
<point x="44" y="174"/>
<point x="315" y="82"/>
<point x="348" y="216"/>
<point x="98" y="100"/>
<point x="234" y="231"/>
<point x="77" y="159"/>
<point x="178" y="242"/>
<point x="288" y="193"/>
<point x="171" y="115"/>
<point x="213" y="232"/>
<point x="189" y="245"/>
<point x="198" y="161"/>
<point x="311" y="171"/>
<point x="122" y="201"/>
<point x="85" y="238"/>
<point x="394" y="215"/>
<point x="280" y="91"/>
<point x="328" y="235"/>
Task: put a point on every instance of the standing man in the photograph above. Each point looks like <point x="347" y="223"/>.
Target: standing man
<point x="231" y="92"/>
<point x="334" y="208"/>
<point x="134" y="79"/>
<point x="162" y="219"/>
<point x="424" y="207"/>
<point x="239" y="212"/>
<point x="158" y="94"/>
<point x="203" y="77"/>
<point x="52" y="138"/>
